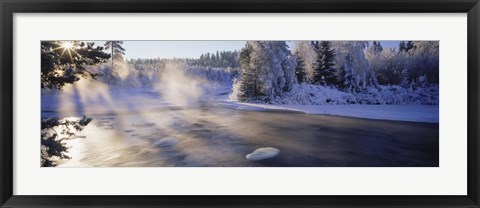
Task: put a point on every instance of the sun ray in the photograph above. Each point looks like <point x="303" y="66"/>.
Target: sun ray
<point x="70" y="55"/>
<point x="76" y="53"/>
<point x="63" y="52"/>
<point x="67" y="46"/>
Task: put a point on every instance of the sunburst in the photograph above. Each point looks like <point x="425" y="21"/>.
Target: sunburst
<point x="69" y="47"/>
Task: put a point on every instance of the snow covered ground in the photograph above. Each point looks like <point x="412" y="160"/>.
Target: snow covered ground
<point x="401" y="112"/>
<point x="415" y="113"/>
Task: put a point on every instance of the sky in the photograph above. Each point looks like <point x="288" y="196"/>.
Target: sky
<point x="190" y="49"/>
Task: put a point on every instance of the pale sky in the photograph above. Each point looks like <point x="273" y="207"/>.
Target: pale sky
<point x="190" y="49"/>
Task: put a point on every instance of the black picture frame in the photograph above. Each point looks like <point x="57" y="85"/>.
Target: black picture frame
<point x="9" y="7"/>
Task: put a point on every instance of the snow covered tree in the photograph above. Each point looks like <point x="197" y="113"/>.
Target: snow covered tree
<point x="415" y="62"/>
<point x="424" y="60"/>
<point x="405" y="78"/>
<point x="63" y="62"/>
<point x="225" y="59"/>
<point x="300" y="70"/>
<point x="305" y="51"/>
<point x="346" y="74"/>
<point x="248" y="85"/>
<point x="268" y="70"/>
<point x="324" y="71"/>
<point x="387" y="64"/>
<point x="409" y="46"/>
<point x="401" y="46"/>
<point x="285" y="63"/>
<point x="376" y="48"/>
<point x="362" y="73"/>
<point x="405" y="47"/>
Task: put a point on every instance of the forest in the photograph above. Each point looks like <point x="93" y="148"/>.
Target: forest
<point x="312" y="73"/>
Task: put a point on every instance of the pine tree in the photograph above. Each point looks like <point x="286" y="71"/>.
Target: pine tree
<point x="300" y="70"/>
<point x="362" y="72"/>
<point x="267" y="71"/>
<point x="401" y="46"/>
<point x="409" y="46"/>
<point x="424" y="60"/>
<point x="63" y="62"/>
<point x="117" y="50"/>
<point x="377" y="47"/>
<point x="323" y="68"/>
<point x="53" y="146"/>
<point x="247" y="85"/>
<point x="306" y="52"/>
<point x="315" y="45"/>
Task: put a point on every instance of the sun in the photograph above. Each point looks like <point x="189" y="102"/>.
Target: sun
<point x="69" y="47"/>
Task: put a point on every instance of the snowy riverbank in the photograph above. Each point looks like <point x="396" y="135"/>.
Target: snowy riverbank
<point x="414" y="113"/>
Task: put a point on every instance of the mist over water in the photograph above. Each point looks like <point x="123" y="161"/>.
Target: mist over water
<point x="177" y="88"/>
<point x="180" y="122"/>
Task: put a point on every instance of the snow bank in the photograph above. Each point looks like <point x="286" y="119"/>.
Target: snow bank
<point x="306" y="94"/>
<point x="414" y="113"/>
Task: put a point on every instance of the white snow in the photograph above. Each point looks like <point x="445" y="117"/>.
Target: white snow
<point x="263" y="153"/>
<point x="415" y="113"/>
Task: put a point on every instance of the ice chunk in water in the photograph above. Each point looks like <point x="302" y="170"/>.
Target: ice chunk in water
<point x="263" y="153"/>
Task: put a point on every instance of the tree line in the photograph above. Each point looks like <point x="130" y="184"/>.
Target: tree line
<point x="351" y="66"/>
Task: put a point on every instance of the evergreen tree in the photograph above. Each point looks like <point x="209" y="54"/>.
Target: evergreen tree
<point x="423" y="60"/>
<point x="267" y="71"/>
<point x="300" y="70"/>
<point x="377" y="47"/>
<point x="247" y="85"/>
<point x="362" y="72"/>
<point x="401" y="46"/>
<point x="324" y="71"/>
<point x="54" y="132"/>
<point x="409" y="46"/>
<point x="117" y="50"/>
<point x="305" y="51"/>
<point x="63" y="62"/>
<point x="224" y="59"/>
<point x="315" y="45"/>
<point x="387" y="65"/>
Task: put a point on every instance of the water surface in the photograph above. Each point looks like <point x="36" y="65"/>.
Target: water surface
<point x="212" y="136"/>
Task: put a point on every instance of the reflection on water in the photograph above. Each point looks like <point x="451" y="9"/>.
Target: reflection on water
<point x="214" y="136"/>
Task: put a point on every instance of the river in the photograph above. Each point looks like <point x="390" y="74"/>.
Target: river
<point x="214" y="136"/>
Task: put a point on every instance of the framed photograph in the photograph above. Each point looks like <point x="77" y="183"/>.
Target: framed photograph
<point x="239" y="104"/>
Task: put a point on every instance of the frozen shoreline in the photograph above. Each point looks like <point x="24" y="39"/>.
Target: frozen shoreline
<point x="414" y="113"/>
